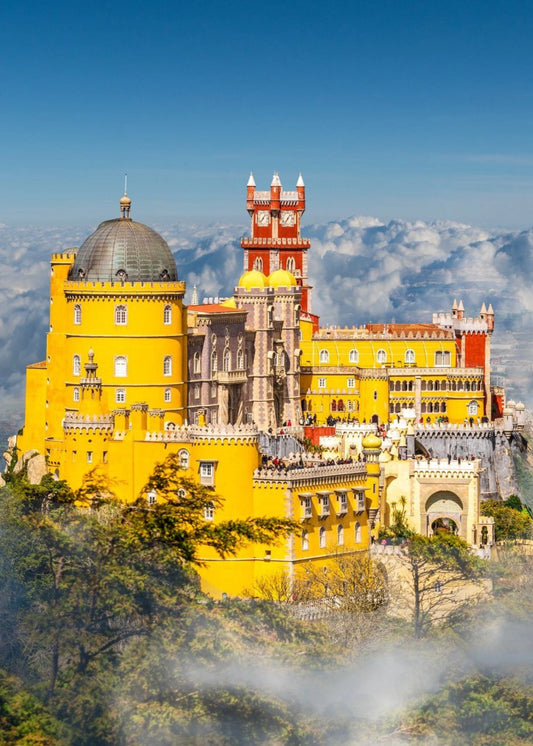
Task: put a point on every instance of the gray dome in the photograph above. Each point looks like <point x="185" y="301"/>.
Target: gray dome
<point x="122" y="250"/>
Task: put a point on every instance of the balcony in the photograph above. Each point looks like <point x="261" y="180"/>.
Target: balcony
<point x="228" y="377"/>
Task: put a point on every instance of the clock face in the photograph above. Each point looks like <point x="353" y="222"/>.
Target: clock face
<point x="263" y="217"/>
<point x="287" y="218"/>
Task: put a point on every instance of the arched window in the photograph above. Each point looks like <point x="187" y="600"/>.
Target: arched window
<point x="121" y="366"/>
<point x="305" y="540"/>
<point x="214" y="362"/>
<point x="423" y="408"/>
<point x="76" y="365"/>
<point x="258" y="264"/>
<point x="77" y="314"/>
<point x="167" y="365"/>
<point x="183" y="456"/>
<point x="322" y="537"/>
<point x="410" y="386"/>
<point x="454" y="385"/>
<point x="324" y="356"/>
<point x="409" y="357"/>
<point x="357" y="532"/>
<point x="404" y="385"/>
<point x="226" y="360"/>
<point x="423" y="386"/>
<point x="398" y="408"/>
<point x="430" y="385"/>
<point x="467" y="385"/>
<point x="430" y="408"/>
<point x="196" y="362"/>
<point x="240" y="360"/>
<point x="436" y="407"/>
<point x="168" y="395"/>
<point x="333" y="405"/>
<point x="340" y="405"/>
<point x="340" y="535"/>
<point x="167" y="315"/>
<point x="437" y="385"/>
<point x="381" y="356"/>
<point x="291" y="265"/>
<point x="76" y="394"/>
<point x="460" y="386"/>
<point x="354" y="356"/>
<point x="443" y="406"/>
<point x="391" y="408"/>
<point x="473" y="408"/>
<point x="121" y="315"/>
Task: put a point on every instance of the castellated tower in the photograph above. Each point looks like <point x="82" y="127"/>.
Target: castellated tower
<point x="275" y="240"/>
<point x="116" y="347"/>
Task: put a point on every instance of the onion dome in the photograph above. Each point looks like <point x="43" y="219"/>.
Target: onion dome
<point x="253" y="279"/>
<point x="281" y="278"/>
<point x="371" y="442"/>
<point x="123" y="250"/>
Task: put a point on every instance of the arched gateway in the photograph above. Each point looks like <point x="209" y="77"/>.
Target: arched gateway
<point x="444" y="511"/>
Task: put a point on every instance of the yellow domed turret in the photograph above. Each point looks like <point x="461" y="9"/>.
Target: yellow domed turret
<point x="253" y="279"/>
<point x="281" y="278"/>
<point x="371" y="442"/>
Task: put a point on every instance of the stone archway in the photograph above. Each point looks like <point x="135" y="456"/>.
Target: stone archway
<point x="444" y="509"/>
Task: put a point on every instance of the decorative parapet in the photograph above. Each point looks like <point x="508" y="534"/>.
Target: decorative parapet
<point x="74" y="289"/>
<point x="73" y="421"/>
<point x="297" y="242"/>
<point x="447" y="429"/>
<point x="444" y="469"/>
<point x="411" y="371"/>
<point x="355" y="428"/>
<point x="449" y="321"/>
<point x="179" y="435"/>
<point x="214" y="433"/>
<point x="312" y="475"/>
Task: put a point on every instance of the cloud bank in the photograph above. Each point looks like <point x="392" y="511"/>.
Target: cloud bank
<point x="362" y="270"/>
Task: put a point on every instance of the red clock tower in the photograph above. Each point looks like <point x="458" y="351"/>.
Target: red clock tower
<point x="275" y="241"/>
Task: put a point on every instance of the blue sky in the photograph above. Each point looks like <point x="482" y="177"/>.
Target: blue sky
<point x="394" y="109"/>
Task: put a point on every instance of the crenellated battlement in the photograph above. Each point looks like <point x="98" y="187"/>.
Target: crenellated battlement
<point x="76" y="289"/>
<point x="445" y="470"/>
<point x="74" y="422"/>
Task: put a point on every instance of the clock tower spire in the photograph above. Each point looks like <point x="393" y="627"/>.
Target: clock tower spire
<point x="275" y="241"/>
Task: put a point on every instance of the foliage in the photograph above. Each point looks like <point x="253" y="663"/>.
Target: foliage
<point x="510" y="522"/>
<point x="24" y="720"/>
<point x="479" y="710"/>
<point x="399" y="527"/>
<point x="435" y="570"/>
<point x="178" y="518"/>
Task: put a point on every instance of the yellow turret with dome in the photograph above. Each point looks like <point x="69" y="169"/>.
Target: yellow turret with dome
<point x="253" y="279"/>
<point x="281" y="278"/>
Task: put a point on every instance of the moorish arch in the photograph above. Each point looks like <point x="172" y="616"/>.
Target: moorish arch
<point x="444" y="509"/>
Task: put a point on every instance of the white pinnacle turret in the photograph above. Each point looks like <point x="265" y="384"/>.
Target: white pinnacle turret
<point x="275" y="180"/>
<point x="300" y="182"/>
<point x="251" y="181"/>
<point x="483" y="308"/>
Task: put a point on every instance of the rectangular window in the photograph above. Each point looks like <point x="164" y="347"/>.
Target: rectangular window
<point x="442" y="358"/>
<point x="120" y="396"/>
<point x="321" y="383"/>
<point x="351" y="405"/>
<point x="207" y="473"/>
<point x="360" y="501"/>
<point x="325" y="505"/>
<point x="343" y="502"/>
<point x="89" y="457"/>
<point x="197" y="391"/>
<point x="209" y="512"/>
<point x="350" y="383"/>
<point x="307" y="509"/>
<point x="104" y="457"/>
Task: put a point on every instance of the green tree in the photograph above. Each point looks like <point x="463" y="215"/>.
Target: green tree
<point x="509" y="522"/>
